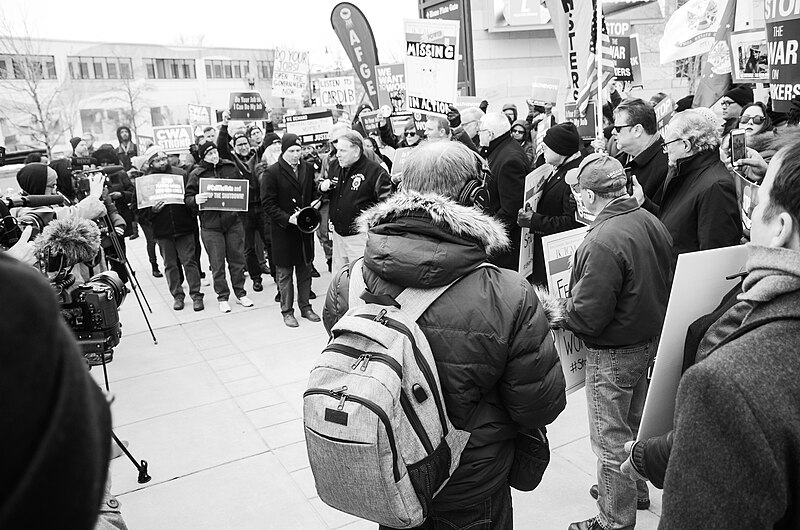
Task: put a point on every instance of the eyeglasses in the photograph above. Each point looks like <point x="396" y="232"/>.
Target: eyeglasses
<point x="517" y="131"/>
<point x="617" y="128"/>
<point x="726" y="103"/>
<point x="757" y="120"/>
<point x="576" y="188"/>
<point x="666" y="149"/>
<point x="411" y="133"/>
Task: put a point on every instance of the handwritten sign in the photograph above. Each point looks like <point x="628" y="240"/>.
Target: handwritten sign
<point x="336" y="91"/>
<point x="558" y="252"/>
<point x="173" y="138"/>
<point x="312" y="127"/>
<point x="227" y="195"/>
<point x="156" y="187"/>
<point x="290" y="74"/>
<point x="431" y="64"/>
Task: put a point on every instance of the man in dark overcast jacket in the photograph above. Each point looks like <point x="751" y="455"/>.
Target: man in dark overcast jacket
<point x="495" y="356"/>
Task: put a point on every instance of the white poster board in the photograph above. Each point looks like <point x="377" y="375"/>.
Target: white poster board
<point x="534" y="183"/>
<point x="290" y="73"/>
<point x="431" y="64"/>
<point x="558" y="252"/>
<point x="173" y="138"/>
<point x="312" y="127"/>
<point x="336" y="91"/>
<point x="698" y="287"/>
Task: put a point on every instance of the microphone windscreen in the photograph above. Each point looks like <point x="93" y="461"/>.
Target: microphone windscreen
<point x="77" y="239"/>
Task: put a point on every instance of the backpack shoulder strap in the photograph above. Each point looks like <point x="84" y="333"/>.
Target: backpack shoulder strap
<point x="750" y="327"/>
<point x="357" y="284"/>
<point x="414" y="302"/>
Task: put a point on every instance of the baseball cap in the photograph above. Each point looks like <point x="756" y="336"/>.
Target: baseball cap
<point x="598" y="172"/>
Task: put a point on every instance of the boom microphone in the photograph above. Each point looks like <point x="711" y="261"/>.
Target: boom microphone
<point x="33" y="201"/>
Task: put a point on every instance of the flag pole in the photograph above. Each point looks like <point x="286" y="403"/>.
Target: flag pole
<point x="598" y="48"/>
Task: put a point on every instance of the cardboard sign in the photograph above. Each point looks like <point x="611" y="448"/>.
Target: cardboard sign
<point x="247" y="106"/>
<point x="783" y="27"/>
<point x="370" y="119"/>
<point x="290" y="74"/>
<point x="749" y="55"/>
<point x="156" y="187"/>
<point x="228" y="195"/>
<point x="391" y="80"/>
<point x="431" y="64"/>
<point x="312" y="127"/>
<point x="558" y="252"/>
<point x="698" y="286"/>
<point x="199" y="114"/>
<point x="544" y="90"/>
<point x="584" y="122"/>
<point x="534" y="183"/>
<point x="173" y="138"/>
<point x="336" y="91"/>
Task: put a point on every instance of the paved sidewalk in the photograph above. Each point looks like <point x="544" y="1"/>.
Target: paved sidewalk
<point x="216" y="409"/>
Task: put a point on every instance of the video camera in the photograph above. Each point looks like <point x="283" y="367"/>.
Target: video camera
<point x="11" y="227"/>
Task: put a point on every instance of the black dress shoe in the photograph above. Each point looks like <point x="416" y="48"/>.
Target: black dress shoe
<point x="329" y="264"/>
<point x="312" y="295"/>
<point x="641" y="504"/>
<point x="257" y="285"/>
<point x="157" y="273"/>
<point x="314" y="272"/>
<point x="309" y="314"/>
<point x="589" y="524"/>
<point x="278" y="296"/>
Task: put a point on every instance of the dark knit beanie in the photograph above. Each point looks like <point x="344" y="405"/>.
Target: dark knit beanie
<point x="271" y="138"/>
<point x="205" y="148"/>
<point x="288" y="141"/>
<point x="74" y="141"/>
<point x="685" y="103"/>
<point x="563" y="139"/>
<point x="33" y="178"/>
<point x="107" y="155"/>
<point x="237" y="136"/>
<point x="741" y="94"/>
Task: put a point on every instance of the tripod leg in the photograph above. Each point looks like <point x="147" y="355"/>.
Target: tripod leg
<point x="141" y="467"/>
<point x="105" y="371"/>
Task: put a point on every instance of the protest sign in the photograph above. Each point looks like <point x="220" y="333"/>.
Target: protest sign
<point x="620" y="49"/>
<point x="636" y="65"/>
<point x="290" y="74"/>
<point x="370" y="119"/>
<point x="584" y="122"/>
<point x="534" y="184"/>
<point x="156" y="187"/>
<point x="247" y="106"/>
<point x="664" y="110"/>
<point x="173" y="138"/>
<point x="747" y="193"/>
<point x="227" y="195"/>
<point x="143" y="142"/>
<point x="783" y="27"/>
<point x="399" y="122"/>
<point x="558" y="252"/>
<point x="399" y="162"/>
<point x="312" y="127"/>
<point x="459" y="11"/>
<point x="336" y="91"/>
<point x="463" y="102"/>
<point x="431" y="64"/>
<point x="391" y="80"/>
<point x="199" y="114"/>
<point x="749" y="56"/>
<point x="544" y="90"/>
<point x="697" y="288"/>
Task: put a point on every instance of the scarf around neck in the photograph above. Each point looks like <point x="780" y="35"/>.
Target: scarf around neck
<point x="771" y="272"/>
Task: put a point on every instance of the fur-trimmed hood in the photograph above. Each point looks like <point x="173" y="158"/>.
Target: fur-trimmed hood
<point x="444" y="213"/>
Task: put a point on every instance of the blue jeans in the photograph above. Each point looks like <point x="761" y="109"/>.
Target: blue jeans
<point x="494" y="513"/>
<point x="616" y="386"/>
<point x="221" y="246"/>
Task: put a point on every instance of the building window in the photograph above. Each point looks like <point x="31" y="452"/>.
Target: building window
<point x="27" y="67"/>
<point x="98" y="67"/>
<point x="264" y="69"/>
<point x="170" y="68"/>
<point x="224" y="69"/>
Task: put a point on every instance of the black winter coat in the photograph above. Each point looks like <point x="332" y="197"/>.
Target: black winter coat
<point x="120" y="182"/>
<point x="174" y="219"/>
<point x="212" y="219"/>
<point x="555" y="213"/>
<point x="360" y="186"/>
<point x="488" y="332"/>
<point x="281" y="194"/>
<point x="246" y="166"/>
<point x="650" y="167"/>
<point x="699" y="206"/>
<point x="509" y="167"/>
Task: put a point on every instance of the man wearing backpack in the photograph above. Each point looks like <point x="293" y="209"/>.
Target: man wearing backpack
<point x="497" y="365"/>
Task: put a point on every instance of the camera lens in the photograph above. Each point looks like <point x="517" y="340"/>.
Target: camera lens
<point x="111" y="280"/>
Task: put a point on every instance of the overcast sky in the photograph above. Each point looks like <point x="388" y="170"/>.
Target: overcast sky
<point x="300" y="24"/>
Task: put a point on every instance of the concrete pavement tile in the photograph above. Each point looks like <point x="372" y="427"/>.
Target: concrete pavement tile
<point x="580" y="454"/>
<point x="220" y="351"/>
<point x="332" y="517"/>
<point x="253" y="493"/>
<point x="273" y="415"/>
<point x="208" y="343"/>
<point x="304" y="479"/>
<point x="293" y="457"/>
<point x="360" y="524"/>
<point x="237" y="373"/>
<point x="260" y="399"/>
<point x="572" y="423"/>
<point x="202" y="330"/>
<point x="185" y="442"/>
<point x="287" y="362"/>
<point x="283" y="434"/>
<point x="148" y="396"/>
<point x="231" y="361"/>
<point x="293" y="393"/>
<point x="248" y="385"/>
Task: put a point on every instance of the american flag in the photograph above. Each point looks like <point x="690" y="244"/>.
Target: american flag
<point x="589" y="87"/>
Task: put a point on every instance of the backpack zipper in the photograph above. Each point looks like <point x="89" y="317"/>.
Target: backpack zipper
<point x="342" y="395"/>
<point x="421" y="362"/>
<point x="415" y="422"/>
<point x="363" y="359"/>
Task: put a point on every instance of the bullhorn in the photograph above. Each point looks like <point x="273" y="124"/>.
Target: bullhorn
<point x="308" y="218"/>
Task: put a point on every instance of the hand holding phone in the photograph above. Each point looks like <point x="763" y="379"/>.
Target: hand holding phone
<point x="738" y="146"/>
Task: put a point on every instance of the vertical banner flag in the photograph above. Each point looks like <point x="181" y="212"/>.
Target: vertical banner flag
<point x="290" y="74"/>
<point x="431" y="64"/>
<point x="715" y="77"/>
<point x="691" y="30"/>
<point x="391" y="80"/>
<point x="783" y="27"/>
<point x="558" y="251"/>
<point x="355" y="34"/>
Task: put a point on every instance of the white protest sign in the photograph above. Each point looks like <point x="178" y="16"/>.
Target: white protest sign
<point x="336" y="91"/>
<point x="290" y="74"/>
<point x="173" y="138"/>
<point x="312" y="127"/>
<point x="431" y="64"/>
<point x="697" y="288"/>
<point x="534" y="184"/>
<point x="199" y="114"/>
<point x="558" y="252"/>
<point x="156" y="187"/>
